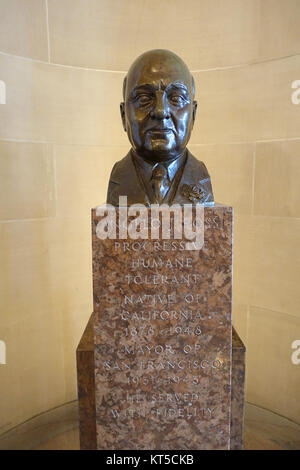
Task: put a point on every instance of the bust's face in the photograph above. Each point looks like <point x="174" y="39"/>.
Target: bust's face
<point x="159" y="111"/>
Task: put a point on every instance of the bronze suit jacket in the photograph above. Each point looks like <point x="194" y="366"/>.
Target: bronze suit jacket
<point x="191" y="184"/>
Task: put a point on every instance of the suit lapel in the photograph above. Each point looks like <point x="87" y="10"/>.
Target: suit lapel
<point x="128" y="182"/>
<point x="170" y="196"/>
<point x="193" y="174"/>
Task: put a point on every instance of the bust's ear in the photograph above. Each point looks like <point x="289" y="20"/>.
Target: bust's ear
<point x="195" y="104"/>
<point x="122" y="110"/>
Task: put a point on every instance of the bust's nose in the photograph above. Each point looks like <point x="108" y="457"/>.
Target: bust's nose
<point x="161" y="108"/>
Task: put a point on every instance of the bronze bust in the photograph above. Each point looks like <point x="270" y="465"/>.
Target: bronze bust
<point x="158" y="114"/>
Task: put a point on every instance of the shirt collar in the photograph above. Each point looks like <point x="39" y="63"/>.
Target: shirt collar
<point x="148" y="167"/>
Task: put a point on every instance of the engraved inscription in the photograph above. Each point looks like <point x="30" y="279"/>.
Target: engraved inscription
<point x="163" y="336"/>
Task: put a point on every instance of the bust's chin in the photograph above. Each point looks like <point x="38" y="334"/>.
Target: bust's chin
<point x="159" y="151"/>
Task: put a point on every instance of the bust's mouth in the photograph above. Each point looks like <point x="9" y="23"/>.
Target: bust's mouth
<point x="160" y="131"/>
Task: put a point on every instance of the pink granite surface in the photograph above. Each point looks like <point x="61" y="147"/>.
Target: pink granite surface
<point x="162" y="334"/>
<point x="237" y="392"/>
<point x="86" y="390"/>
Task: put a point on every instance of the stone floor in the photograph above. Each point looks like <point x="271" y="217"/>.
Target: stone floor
<point x="58" y="430"/>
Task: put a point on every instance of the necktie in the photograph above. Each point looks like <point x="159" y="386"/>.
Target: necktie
<point x="160" y="182"/>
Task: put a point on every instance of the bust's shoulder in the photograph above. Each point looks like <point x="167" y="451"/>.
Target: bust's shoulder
<point x="124" y="181"/>
<point x="121" y="167"/>
<point x="196" y="167"/>
<point x="195" y="184"/>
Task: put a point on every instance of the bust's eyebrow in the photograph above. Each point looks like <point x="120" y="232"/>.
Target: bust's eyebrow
<point x="178" y="86"/>
<point x="146" y="87"/>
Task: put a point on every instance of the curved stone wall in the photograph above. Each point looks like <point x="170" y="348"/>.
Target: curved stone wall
<point x="61" y="70"/>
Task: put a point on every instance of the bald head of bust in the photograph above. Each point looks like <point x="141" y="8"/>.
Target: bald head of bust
<point x="159" y="109"/>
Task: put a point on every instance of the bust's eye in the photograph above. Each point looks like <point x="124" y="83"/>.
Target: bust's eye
<point x="177" y="99"/>
<point x="144" y="99"/>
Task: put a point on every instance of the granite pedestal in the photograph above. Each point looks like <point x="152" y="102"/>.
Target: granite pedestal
<point x="162" y="334"/>
<point x="86" y="390"/>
